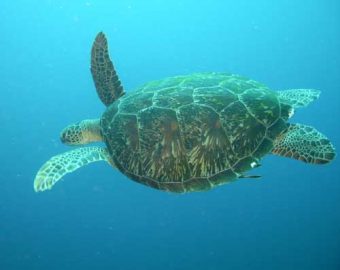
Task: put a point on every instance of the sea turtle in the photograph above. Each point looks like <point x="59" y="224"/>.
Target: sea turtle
<point x="186" y="133"/>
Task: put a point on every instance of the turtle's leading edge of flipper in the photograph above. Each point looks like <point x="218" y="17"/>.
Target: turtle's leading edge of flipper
<point x="55" y="168"/>
<point x="105" y="78"/>
<point x="304" y="143"/>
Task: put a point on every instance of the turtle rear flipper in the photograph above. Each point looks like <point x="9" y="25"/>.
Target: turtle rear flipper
<point x="298" y="98"/>
<point x="304" y="143"/>
<point x="105" y="78"/>
<point x="55" y="168"/>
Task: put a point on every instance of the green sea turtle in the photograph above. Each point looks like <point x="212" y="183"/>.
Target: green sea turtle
<point x="186" y="133"/>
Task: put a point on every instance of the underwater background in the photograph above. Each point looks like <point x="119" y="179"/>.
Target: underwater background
<point x="99" y="219"/>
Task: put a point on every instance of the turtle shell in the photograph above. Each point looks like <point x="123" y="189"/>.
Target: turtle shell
<point x="191" y="133"/>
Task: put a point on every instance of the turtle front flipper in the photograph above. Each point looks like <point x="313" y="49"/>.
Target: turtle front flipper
<point x="304" y="143"/>
<point x="298" y="98"/>
<point x="105" y="78"/>
<point x="55" y="168"/>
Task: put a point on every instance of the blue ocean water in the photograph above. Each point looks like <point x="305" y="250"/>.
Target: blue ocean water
<point x="99" y="219"/>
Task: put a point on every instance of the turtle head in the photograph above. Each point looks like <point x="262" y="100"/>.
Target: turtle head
<point x="83" y="132"/>
<point x="73" y="135"/>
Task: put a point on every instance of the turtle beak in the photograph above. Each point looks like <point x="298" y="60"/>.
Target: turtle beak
<point x="66" y="136"/>
<point x="63" y="138"/>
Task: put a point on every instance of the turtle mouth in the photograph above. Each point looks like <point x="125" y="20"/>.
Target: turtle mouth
<point x="63" y="138"/>
<point x="66" y="137"/>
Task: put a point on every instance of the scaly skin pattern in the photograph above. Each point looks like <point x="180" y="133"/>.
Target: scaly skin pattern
<point x="191" y="133"/>
<point x="304" y="143"/>
<point x="55" y="168"/>
<point x="104" y="75"/>
<point x="83" y="132"/>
